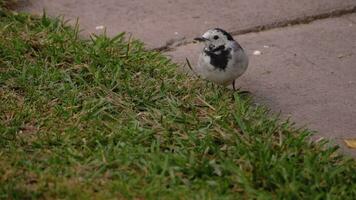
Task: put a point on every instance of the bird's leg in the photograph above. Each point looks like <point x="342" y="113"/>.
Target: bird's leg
<point x="233" y="85"/>
<point x="238" y="89"/>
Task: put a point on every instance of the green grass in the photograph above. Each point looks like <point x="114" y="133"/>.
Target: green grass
<point x="105" y="118"/>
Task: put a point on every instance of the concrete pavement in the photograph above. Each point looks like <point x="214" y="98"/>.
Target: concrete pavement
<point x="306" y="71"/>
<point x="168" y="22"/>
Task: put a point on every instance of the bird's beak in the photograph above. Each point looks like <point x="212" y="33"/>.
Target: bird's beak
<point x="200" y="39"/>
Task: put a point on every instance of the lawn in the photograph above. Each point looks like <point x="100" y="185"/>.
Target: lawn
<point x="104" y="118"/>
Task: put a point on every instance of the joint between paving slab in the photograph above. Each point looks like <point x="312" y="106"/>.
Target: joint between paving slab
<point x="171" y="45"/>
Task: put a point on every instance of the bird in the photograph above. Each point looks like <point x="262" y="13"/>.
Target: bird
<point x="222" y="59"/>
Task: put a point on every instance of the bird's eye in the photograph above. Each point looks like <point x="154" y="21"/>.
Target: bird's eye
<point x="216" y="37"/>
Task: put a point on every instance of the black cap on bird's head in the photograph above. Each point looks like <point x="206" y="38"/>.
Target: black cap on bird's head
<point x="215" y="39"/>
<point x="215" y="34"/>
<point x="226" y="34"/>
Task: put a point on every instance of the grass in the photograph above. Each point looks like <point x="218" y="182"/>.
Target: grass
<point x="105" y="118"/>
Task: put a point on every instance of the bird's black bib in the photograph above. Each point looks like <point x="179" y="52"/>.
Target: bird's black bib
<point x="219" y="56"/>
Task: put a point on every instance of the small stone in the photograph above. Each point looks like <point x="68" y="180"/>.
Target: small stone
<point x="99" y="27"/>
<point x="267" y="72"/>
<point x="257" y="53"/>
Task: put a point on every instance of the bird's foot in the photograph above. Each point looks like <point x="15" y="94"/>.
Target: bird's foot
<point x="242" y="92"/>
<point x="238" y="90"/>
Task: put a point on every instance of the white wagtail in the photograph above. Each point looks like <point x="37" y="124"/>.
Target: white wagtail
<point x="222" y="60"/>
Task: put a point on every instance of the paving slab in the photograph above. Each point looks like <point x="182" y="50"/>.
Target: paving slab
<point x="158" y="22"/>
<point x="308" y="72"/>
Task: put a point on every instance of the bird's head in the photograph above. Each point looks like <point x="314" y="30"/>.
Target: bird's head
<point x="215" y="38"/>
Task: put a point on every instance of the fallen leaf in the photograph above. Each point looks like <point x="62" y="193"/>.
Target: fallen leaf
<point x="340" y="55"/>
<point x="351" y="143"/>
<point x="344" y="55"/>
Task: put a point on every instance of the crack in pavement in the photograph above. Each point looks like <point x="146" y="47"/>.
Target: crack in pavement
<point x="172" y="44"/>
